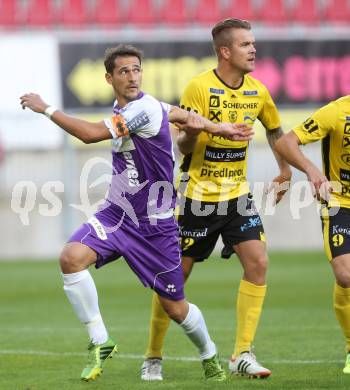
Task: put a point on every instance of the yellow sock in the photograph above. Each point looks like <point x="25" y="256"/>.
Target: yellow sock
<point x="159" y="325"/>
<point x="341" y="302"/>
<point x="249" y="304"/>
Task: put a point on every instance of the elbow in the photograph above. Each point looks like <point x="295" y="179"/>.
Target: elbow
<point x="89" y="138"/>
<point x="86" y="140"/>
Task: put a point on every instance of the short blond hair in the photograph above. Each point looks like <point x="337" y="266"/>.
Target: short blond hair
<point x="221" y="32"/>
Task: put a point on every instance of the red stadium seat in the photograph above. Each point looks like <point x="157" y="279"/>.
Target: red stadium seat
<point x="337" y="11"/>
<point x="305" y="12"/>
<point x="107" y="12"/>
<point x="39" y="13"/>
<point x="240" y="10"/>
<point x="8" y="13"/>
<point x="273" y="11"/>
<point x="173" y="12"/>
<point x="141" y="12"/>
<point x="207" y="12"/>
<point x="73" y="13"/>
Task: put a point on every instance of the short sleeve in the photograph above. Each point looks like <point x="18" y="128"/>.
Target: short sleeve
<point x="269" y="115"/>
<point x="192" y="98"/>
<point x="318" y="125"/>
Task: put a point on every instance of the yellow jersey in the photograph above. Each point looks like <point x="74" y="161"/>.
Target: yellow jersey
<point x="216" y="170"/>
<point x="331" y="124"/>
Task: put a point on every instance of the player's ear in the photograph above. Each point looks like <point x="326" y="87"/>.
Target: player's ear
<point x="225" y="52"/>
<point x="108" y="78"/>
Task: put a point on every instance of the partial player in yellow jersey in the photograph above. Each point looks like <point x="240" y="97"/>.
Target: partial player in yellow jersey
<point x="331" y="124"/>
<point x="215" y="193"/>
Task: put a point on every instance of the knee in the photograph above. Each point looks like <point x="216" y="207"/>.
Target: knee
<point x="343" y="278"/>
<point x="176" y="311"/>
<point x="255" y="269"/>
<point x="70" y="261"/>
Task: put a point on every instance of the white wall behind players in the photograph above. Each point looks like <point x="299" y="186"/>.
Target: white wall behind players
<point x="29" y="63"/>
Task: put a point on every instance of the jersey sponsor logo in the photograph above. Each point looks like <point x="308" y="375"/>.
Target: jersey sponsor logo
<point x="215" y="115"/>
<point x="133" y="174"/>
<point x="336" y="229"/>
<point x="224" y="172"/>
<point x="347" y="118"/>
<point x="346" y="142"/>
<point x="344" y="175"/>
<point x="347" y="128"/>
<point x="214" y="101"/>
<point x="338" y="240"/>
<point x="99" y="229"/>
<point x="194" y="233"/>
<point x="138" y="121"/>
<point x="224" y="154"/>
<point x="218" y="91"/>
<point x="310" y="125"/>
<point x="232" y="116"/>
<point x="240" y="106"/>
<point x="250" y="93"/>
<point x="346" y="159"/>
<point x="252" y="222"/>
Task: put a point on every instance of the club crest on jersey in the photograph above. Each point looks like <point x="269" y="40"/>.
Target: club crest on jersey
<point x="218" y="91"/>
<point x="232" y="115"/>
<point x="250" y="93"/>
<point x="249" y="118"/>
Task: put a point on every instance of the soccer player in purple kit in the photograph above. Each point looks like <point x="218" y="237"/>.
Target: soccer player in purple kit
<point x="137" y="220"/>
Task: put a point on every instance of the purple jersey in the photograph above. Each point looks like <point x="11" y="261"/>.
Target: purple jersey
<point x="137" y="220"/>
<point x="143" y="160"/>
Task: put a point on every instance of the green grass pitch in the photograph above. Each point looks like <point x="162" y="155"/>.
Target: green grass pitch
<point x="43" y="346"/>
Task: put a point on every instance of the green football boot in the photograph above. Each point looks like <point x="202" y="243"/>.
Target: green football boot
<point x="97" y="355"/>
<point x="346" y="369"/>
<point x="213" y="370"/>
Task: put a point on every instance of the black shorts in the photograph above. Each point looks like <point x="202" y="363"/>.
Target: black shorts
<point x="201" y="224"/>
<point x="336" y="231"/>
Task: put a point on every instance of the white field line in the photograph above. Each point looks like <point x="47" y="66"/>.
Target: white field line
<point x="140" y="357"/>
<point x="32" y="329"/>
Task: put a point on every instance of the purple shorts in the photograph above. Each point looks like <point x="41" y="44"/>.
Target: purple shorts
<point x="151" y="251"/>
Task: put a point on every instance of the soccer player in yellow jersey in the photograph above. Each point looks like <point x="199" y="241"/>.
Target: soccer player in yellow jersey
<point x="331" y="124"/>
<point x="213" y="178"/>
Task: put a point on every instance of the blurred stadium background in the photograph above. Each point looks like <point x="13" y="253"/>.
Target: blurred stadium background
<point x="55" y="48"/>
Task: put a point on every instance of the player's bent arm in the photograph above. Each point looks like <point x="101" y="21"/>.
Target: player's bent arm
<point x="288" y="147"/>
<point x="192" y="124"/>
<point x="272" y="137"/>
<point x="88" y="132"/>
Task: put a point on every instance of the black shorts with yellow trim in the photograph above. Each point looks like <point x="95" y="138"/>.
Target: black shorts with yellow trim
<point x="336" y="231"/>
<point x="201" y="224"/>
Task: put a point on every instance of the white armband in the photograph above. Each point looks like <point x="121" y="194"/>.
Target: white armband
<point x="49" y="111"/>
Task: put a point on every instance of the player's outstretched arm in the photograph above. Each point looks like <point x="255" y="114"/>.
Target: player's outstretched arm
<point x="88" y="132"/>
<point x="192" y="124"/>
<point x="288" y="147"/>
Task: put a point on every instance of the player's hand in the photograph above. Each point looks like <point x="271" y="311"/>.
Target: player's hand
<point x="279" y="186"/>
<point x="321" y="187"/>
<point x="235" y="131"/>
<point x="34" y="102"/>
